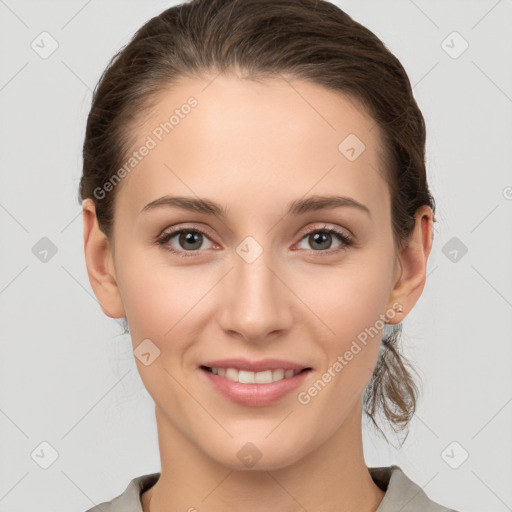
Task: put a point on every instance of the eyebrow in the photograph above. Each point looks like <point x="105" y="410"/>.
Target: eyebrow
<point x="297" y="207"/>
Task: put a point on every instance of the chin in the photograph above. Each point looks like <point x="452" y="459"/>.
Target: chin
<point x="258" y="455"/>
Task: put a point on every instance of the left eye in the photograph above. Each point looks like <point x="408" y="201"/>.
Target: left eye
<point x="323" y="238"/>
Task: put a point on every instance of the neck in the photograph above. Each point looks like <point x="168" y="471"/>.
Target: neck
<point x="334" y="477"/>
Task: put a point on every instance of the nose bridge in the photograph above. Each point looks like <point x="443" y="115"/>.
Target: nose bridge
<point x="255" y="299"/>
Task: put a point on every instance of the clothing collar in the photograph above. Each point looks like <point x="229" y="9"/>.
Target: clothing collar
<point x="402" y="494"/>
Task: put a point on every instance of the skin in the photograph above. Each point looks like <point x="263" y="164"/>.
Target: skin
<point x="253" y="147"/>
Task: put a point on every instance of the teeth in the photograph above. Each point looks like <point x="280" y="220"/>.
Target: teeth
<point x="246" y="377"/>
<point x="263" y="377"/>
<point x="277" y="374"/>
<point x="231" y="374"/>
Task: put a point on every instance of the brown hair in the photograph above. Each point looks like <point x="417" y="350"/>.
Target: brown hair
<point x="306" y="39"/>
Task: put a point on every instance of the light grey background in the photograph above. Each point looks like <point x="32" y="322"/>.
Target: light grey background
<point x="69" y="379"/>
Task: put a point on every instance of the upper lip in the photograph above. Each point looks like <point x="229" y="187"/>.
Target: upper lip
<point x="255" y="366"/>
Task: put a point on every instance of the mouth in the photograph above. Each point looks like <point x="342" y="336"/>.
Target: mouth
<point x="250" y="377"/>
<point x="254" y="383"/>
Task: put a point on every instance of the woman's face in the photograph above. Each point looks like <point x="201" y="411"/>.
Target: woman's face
<point x="256" y="286"/>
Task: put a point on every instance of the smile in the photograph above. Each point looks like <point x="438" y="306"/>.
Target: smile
<point x="248" y="377"/>
<point x="254" y="383"/>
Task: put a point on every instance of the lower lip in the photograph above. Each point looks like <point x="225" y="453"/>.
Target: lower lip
<point x="255" y="395"/>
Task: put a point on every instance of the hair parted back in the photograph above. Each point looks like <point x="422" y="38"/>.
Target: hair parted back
<point x="312" y="40"/>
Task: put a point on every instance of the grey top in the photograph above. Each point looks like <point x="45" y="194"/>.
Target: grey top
<point x="402" y="494"/>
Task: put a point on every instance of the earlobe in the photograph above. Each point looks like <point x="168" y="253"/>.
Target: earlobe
<point x="413" y="260"/>
<point x="99" y="263"/>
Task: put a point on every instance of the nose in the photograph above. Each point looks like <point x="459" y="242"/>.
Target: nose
<point x="256" y="302"/>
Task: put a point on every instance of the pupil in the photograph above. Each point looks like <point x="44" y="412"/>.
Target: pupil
<point x="191" y="238"/>
<point x="322" y="237"/>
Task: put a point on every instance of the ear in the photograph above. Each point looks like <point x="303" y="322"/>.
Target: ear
<point x="413" y="259"/>
<point x="99" y="262"/>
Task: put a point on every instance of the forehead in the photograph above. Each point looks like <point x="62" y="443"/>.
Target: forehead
<point x="257" y="143"/>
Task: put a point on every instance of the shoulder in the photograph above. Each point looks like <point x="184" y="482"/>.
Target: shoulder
<point x="129" y="499"/>
<point x="402" y="494"/>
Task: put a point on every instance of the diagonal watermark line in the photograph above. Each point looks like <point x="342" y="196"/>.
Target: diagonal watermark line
<point x="425" y="425"/>
<point x="508" y="508"/>
<point x="171" y="328"/>
<point x="186" y="185"/>
<point x="417" y="492"/>
<point x="289" y="83"/>
<point x="14" y="485"/>
<point x="14" y="76"/>
<point x="492" y="81"/>
<point x="286" y="491"/>
<point x="80" y="284"/>
<point x="13" y="423"/>
<point x="333" y="333"/>
<point x="13" y="279"/>
<point x="14" y="218"/>
<point x="484" y="218"/>
<point x="88" y="497"/>
<point x="87" y="291"/>
<point x="499" y="1"/>
<point x="494" y="416"/>
<point x="502" y="296"/>
<point x="279" y="424"/>
<point x="217" y="486"/>
<point x="431" y="271"/>
<point x="424" y="14"/>
<point x="199" y="403"/>
<point x="76" y="75"/>
<point x="76" y="14"/>
<point x="211" y="81"/>
<point x="3" y="3"/>
<point x="71" y="221"/>
<point x="101" y="398"/>
<point x="425" y="74"/>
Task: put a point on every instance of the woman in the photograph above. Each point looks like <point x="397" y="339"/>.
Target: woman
<point x="281" y="140"/>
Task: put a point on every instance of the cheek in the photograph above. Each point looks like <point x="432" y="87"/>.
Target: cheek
<point x="349" y="299"/>
<point x="165" y="304"/>
<point x="159" y="304"/>
<point x="155" y="294"/>
<point x="349" y="306"/>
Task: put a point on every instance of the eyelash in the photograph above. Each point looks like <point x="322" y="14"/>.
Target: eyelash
<point x="165" y="237"/>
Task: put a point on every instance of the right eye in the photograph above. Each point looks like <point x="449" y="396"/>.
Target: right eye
<point x="191" y="237"/>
